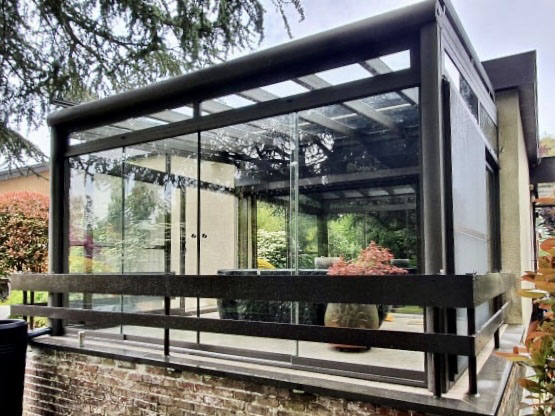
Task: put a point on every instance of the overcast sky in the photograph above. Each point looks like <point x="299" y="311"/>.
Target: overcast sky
<point x="495" y="27"/>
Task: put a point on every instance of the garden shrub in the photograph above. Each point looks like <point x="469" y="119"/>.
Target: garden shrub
<point x="23" y="233"/>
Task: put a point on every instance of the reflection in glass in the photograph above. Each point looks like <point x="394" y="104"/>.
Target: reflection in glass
<point x="488" y="128"/>
<point x="282" y="196"/>
<point x="358" y="183"/>
<point x="96" y="235"/>
<point x="245" y="174"/>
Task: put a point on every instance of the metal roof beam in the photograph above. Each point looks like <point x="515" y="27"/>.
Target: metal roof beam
<point x="315" y="82"/>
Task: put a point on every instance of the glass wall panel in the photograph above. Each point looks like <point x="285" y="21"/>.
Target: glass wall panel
<point x="461" y="85"/>
<point x="95" y="222"/>
<point x="358" y="185"/>
<point x="287" y="195"/>
<point x="470" y="205"/>
<point x="160" y="209"/>
<point x="245" y="221"/>
<point x="128" y="215"/>
<point x="488" y="128"/>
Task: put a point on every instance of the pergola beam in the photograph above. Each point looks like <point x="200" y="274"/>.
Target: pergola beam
<point x="378" y="67"/>
<point x="260" y="95"/>
<point x="313" y="82"/>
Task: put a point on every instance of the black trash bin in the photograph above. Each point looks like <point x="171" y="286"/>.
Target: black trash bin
<point x="13" y="347"/>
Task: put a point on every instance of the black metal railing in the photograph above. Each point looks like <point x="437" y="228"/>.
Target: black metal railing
<point x="437" y="291"/>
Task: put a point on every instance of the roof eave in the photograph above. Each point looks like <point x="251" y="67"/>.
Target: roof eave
<point x="520" y="72"/>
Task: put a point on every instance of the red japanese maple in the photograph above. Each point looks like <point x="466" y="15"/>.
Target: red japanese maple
<point x="372" y="260"/>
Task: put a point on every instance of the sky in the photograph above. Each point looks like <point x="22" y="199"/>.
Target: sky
<point x="495" y="28"/>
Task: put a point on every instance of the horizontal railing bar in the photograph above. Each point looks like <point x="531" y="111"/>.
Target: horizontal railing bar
<point x="488" y="286"/>
<point x="420" y="290"/>
<point x="485" y="333"/>
<point x="410" y="341"/>
<point x="326" y="96"/>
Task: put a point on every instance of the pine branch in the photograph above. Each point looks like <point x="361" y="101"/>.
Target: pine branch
<point x="17" y="150"/>
<point x="83" y="49"/>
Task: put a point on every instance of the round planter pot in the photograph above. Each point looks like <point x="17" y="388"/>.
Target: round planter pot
<point x="13" y="346"/>
<point x="352" y="315"/>
<point x="324" y="262"/>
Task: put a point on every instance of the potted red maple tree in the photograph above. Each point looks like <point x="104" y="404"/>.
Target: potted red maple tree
<point x="372" y="260"/>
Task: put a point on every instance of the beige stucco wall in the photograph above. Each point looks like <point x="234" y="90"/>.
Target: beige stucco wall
<point x="516" y="216"/>
<point x="29" y="183"/>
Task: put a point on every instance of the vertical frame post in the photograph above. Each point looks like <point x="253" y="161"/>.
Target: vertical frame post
<point x="197" y="114"/>
<point x="167" y="246"/>
<point x="58" y="227"/>
<point x="432" y="186"/>
<point x="472" y="366"/>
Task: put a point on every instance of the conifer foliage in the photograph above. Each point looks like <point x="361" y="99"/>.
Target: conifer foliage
<point x="84" y="49"/>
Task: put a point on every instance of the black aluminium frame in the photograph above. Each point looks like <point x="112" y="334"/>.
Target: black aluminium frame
<point x="417" y="28"/>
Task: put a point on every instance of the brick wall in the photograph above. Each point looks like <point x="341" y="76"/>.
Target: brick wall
<point x="513" y="393"/>
<point x="62" y="383"/>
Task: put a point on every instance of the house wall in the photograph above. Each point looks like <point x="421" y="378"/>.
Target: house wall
<point x="29" y="183"/>
<point x="516" y="215"/>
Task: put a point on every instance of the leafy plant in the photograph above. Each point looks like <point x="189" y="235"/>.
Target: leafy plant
<point x="372" y="260"/>
<point x="538" y="351"/>
<point x="272" y="247"/>
<point x="349" y="232"/>
<point x="23" y="232"/>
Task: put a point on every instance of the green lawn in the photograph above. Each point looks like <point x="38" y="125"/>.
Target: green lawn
<point x="16" y="297"/>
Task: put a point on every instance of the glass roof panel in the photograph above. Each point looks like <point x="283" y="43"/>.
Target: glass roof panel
<point x="344" y="74"/>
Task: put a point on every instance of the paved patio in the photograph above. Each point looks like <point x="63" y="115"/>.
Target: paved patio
<point x="408" y="360"/>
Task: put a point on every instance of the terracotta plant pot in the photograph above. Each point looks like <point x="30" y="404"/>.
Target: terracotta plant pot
<point x="352" y="315"/>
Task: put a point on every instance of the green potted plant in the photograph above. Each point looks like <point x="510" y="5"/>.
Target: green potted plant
<point x="372" y="260"/>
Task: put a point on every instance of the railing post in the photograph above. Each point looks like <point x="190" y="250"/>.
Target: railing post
<point x="167" y="303"/>
<point x="58" y="244"/>
<point x="24" y="301"/>
<point x="472" y="367"/>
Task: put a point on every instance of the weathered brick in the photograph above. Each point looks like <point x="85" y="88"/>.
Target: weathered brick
<point x="294" y="405"/>
<point x="63" y="383"/>
<point x="253" y="409"/>
<point x="244" y="395"/>
<point x="318" y="409"/>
